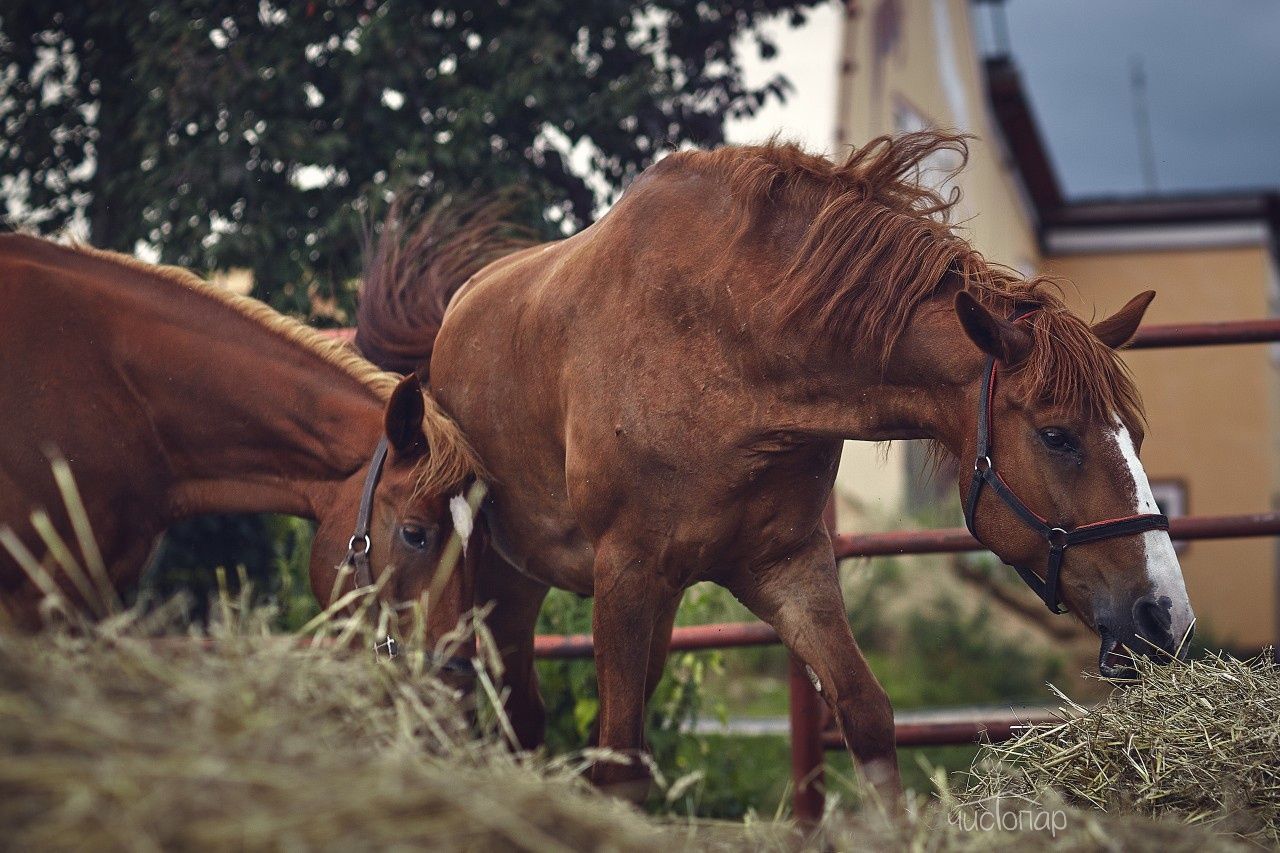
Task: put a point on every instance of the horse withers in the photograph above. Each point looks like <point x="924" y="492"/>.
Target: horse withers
<point x="168" y="397"/>
<point x="662" y="398"/>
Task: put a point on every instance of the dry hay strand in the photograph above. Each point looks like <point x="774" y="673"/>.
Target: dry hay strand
<point x="112" y="741"/>
<point x="1196" y="741"/>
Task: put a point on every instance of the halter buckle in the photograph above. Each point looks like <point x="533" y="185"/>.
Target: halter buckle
<point x="388" y="646"/>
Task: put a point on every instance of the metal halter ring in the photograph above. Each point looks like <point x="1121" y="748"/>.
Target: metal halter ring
<point x="1058" y="538"/>
<point x="364" y="540"/>
<point x="982" y="465"/>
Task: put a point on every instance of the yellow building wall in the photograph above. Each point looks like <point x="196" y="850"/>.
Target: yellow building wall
<point x="930" y="75"/>
<point x="929" y="70"/>
<point x="1211" y="413"/>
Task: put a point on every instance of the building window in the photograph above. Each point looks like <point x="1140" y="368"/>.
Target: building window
<point x="1171" y="498"/>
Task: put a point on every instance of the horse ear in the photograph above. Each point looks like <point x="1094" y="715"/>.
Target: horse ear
<point x="1118" y="329"/>
<point x="995" y="336"/>
<point x="405" y="411"/>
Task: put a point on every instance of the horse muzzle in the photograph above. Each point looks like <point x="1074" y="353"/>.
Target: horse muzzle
<point x="1146" y="629"/>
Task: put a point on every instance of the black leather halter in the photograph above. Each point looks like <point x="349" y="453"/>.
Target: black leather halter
<point x="358" y="559"/>
<point x="984" y="473"/>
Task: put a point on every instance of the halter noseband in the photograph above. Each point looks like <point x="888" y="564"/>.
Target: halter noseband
<point x="358" y="558"/>
<point x="984" y="473"/>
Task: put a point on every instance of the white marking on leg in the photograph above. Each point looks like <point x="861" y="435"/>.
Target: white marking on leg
<point x="1162" y="566"/>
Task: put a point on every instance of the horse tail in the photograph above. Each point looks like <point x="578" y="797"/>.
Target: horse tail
<point x="418" y="263"/>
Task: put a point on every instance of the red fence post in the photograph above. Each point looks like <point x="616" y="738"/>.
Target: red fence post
<point x="806" y="745"/>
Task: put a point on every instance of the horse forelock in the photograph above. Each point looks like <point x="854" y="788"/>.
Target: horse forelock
<point x="1070" y="367"/>
<point x="878" y="244"/>
<point x="450" y="460"/>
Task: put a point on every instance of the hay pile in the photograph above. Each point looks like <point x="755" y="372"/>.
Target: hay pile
<point x="111" y="741"/>
<point x="1199" y="742"/>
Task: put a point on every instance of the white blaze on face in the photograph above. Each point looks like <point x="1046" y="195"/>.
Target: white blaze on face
<point x="463" y="520"/>
<point x="1163" y="569"/>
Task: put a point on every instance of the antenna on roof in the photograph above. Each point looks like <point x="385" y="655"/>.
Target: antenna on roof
<point x="1142" y="123"/>
<point x="998" y="17"/>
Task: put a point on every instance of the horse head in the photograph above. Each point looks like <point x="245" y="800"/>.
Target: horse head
<point x="400" y="515"/>
<point x="1056" y="489"/>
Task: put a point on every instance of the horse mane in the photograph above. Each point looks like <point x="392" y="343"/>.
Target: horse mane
<point x="415" y="268"/>
<point x="450" y="459"/>
<point x="881" y="243"/>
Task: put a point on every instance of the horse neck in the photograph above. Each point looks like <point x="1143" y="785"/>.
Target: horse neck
<point x="246" y="419"/>
<point x="923" y="392"/>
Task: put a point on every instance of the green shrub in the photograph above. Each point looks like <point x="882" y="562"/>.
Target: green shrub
<point x="948" y="658"/>
<point x="569" y="686"/>
<point x="269" y="552"/>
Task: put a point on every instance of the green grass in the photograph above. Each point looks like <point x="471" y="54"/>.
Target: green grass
<point x="746" y="774"/>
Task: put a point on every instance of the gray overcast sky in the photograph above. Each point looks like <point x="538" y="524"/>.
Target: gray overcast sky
<point x="1213" y="81"/>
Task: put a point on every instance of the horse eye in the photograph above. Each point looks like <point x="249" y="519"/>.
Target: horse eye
<point x="415" y="536"/>
<point x="1056" y="438"/>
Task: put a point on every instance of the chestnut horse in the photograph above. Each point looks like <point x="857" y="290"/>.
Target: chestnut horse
<point x="169" y="397"/>
<point x="661" y="400"/>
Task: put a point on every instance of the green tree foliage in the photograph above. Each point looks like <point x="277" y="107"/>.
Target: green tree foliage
<point x="268" y="134"/>
<point x="264" y="135"/>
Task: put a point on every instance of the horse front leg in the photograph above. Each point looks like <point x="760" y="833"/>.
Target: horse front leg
<point x="801" y="598"/>
<point x="659" y="650"/>
<point x="516" y="601"/>
<point x="630" y="602"/>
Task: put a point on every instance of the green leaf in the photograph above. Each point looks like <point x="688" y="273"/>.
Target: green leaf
<point x="585" y="711"/>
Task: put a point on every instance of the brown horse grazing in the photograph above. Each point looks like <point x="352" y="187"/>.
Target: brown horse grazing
<point x="661" y="400"/>
<point x="169" y="397"/>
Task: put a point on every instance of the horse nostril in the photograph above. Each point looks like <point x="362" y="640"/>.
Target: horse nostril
<point x="1152" y="619"/>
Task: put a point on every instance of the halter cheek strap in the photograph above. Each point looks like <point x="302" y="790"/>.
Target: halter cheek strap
<point x="1059" y="538"/>
<point x="358" y="545"/>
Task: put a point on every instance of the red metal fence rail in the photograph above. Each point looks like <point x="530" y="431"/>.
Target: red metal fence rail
<point x="1172" y="335"/>
<point x="733" y="635"/>
<point x="952" y="540"/>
